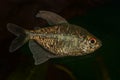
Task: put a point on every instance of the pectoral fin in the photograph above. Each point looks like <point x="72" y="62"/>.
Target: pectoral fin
<point x="51" y="18"/>
<point x="39" y="54"/>
<point x="37" y="28"/>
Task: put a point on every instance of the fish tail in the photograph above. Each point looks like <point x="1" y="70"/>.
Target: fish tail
<point x="20" y="40"/>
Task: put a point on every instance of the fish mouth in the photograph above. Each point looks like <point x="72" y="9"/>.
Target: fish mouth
<point x="96" y="48"/>
<point x="100" y="44"/>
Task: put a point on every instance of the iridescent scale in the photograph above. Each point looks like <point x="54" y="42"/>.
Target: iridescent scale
<point x="62" y="39"/>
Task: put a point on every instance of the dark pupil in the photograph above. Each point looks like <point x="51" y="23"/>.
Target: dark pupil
<point x="92" y="41"/>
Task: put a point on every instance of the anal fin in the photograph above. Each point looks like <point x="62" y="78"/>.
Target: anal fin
<point x="39" y="54"/>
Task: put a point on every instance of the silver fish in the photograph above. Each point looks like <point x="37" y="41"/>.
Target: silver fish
<point x="58" y="40"/>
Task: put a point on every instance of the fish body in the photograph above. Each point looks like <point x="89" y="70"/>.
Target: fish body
<point x="59" y="39"/>
<point x="64" y="40"/>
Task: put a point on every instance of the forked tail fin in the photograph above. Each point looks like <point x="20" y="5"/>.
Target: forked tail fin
<point x="21" y="39"/>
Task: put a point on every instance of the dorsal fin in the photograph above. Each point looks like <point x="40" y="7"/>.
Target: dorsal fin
<point x="51" y="17"/>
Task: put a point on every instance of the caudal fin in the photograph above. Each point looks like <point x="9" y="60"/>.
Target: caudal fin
<point x="21" y="36"/>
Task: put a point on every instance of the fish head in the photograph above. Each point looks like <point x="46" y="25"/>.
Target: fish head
<point x="91" y="44"/>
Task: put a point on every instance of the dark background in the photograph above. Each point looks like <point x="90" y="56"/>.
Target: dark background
<point x="100" y="17"/>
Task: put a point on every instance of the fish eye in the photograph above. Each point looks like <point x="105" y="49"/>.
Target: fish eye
<point x="92" y="40"/>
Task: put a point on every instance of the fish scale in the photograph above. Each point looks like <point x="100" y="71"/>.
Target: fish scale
<point x="60" y="39"/>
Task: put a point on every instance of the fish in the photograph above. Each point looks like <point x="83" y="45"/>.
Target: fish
<point x="59" y="39"/>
